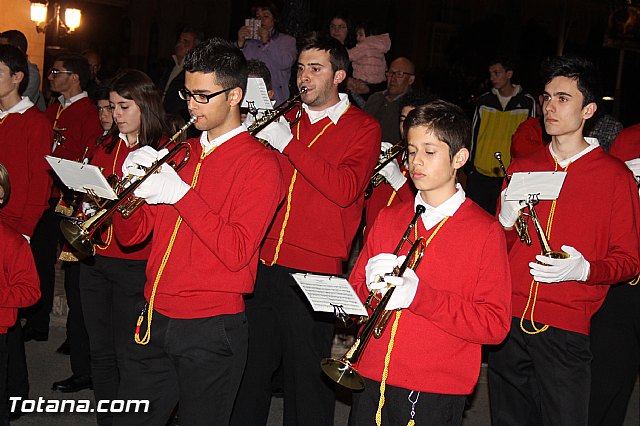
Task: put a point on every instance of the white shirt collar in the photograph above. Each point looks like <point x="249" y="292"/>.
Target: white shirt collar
<point x="72" y="99"/>
<point x="593" y="144"/>
<point x="208" y="146"/>
<point x="125" y="140"/>
<point x="23" y="105"/>
<point x="433" y="215"/>
<point x="333" y="112"/>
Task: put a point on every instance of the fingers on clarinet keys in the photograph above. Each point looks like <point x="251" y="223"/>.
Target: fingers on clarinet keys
<point x="278" y="134"/>
<point x="141" y="159"/>
<point x="552" y="270"/>
<point x="166" y="187"/>
<point x="405" y="291"/>
<point x="377" y="267"/>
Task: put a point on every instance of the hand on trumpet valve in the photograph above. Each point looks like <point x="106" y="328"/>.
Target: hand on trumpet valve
<point x="509" y="210"/>
<point x="376" y="269"/>
<point x="551" y="270"/>
<point x="393" y="175"/>
<point x="405" y="291"/>
<point x="166" y="187"/>
<point x="278" y="134"/>
<point x="141" y="159"/>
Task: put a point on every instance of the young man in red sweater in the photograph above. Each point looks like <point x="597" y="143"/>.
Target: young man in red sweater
<point x="541" y="374"/>
<point x="327" y="159"/>
<point x="19" y="286"/>
<point x="206" y="222"/>
<point x="440" y="319"/>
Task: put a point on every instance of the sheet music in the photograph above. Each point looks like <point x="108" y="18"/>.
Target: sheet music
<point x="257" y="95"/>
<point x="545" y="185"/>
<point x="327" y="293"/>
<point x="81" y="177"/>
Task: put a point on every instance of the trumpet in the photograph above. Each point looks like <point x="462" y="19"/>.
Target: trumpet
<point x="542" y="237"/>
<point x="341" y="370"/>
<point x="387" y="156"/>
<point x="272" y="115"/>
<point x="80" y="234"/>
<point x="522" y="228"/>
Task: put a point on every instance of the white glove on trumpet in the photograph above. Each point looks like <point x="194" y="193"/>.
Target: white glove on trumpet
<point x="377" y="277"/>
<point x="574" y="268"/>
<point x="509" y="210"/>
<point x="278" y="134"/>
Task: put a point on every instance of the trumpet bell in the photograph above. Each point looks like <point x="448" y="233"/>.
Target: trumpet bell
<point x="78" y="237"/>
<point x="343" y="373"/>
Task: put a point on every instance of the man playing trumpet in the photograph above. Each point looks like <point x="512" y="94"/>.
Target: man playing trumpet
<point x="428" y="358"/>
<point x="541" y="374"/>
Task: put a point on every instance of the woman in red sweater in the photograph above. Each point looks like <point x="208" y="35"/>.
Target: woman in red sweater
<point x="457" y="299"/>
<point x="19" y="286"/>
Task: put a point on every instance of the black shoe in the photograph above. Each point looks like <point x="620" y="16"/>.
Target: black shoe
<point x="73" y="384"/>
<point x="29" y="333"/>
<point x="64" y="348"/>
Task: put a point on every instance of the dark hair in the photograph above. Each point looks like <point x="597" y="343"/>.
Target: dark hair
<point x="506" y="62"/>
<point x="221" y="58"/>
<point x="271" y="7"/>
<point x="445" y="120"/>
<point x="350" y="41"/>
<point x="5" y="184"/>
<point x="258" y="68"/>
<point x="16" y="61"/>
<point x="138" y="87"/>
<point x="368" y="27"/>
<point x="338" y="55"/>
<point x="78" y="64"/>
<point x="102" y="92"/>
<point x="579" y="69"/>
<point x="197" y="35"/>
<point x="16" y="38"/>
<point x="415" y="98"/>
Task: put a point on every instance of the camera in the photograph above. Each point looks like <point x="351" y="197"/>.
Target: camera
<point x="254" y="25"/>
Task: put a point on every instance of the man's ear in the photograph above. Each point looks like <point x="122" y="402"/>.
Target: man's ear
<point x="509" y="74"/>
<point x="17" y="77"/>
<point x="589" y="110"/>
<point x="339" y="76"/>
<point x="235" y="97"/>
<point x="460" y="158"/>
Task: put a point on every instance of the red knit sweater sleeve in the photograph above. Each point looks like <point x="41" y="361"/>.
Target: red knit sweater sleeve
<point x="135" y="229"/>
<point x="19" y="284"/>
<point x="486" y="318"/>
<point x="341" y="183"/>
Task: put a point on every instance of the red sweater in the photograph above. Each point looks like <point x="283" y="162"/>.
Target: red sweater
<point x="462" y="302"/>
<point x="594" y="214"/>
<point x="111" y="164"/>
<point x="527" y="138"/>
<point x="24" y="141"/>
<point x="323" y="207"/>
<point x="80" y="126"/>
<point x="626" y="145"/>
<point x="214" y="258"/>
<point x="19" y="284"/>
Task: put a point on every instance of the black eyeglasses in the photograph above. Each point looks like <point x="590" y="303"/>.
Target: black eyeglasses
<point x="397" y="74"/>
<point x="200" y="98"/>
<point x="54" y="72"/>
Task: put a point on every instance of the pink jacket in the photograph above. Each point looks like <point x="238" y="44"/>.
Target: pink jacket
<point x="367" y="58"/>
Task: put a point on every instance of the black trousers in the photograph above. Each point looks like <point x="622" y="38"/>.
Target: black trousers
<point x="484" y="190"/>
<point x="615" y="344"/>
<point x="4" y="396"/>
<point x="17" y="374"/>
<point x="284" y="329"/>
<point x="402" y="405"/>
<point x="76" y="329"/>
<point x="541" y="379"/>
<point x="111" y="290"/>
<point x="196" y="362"/>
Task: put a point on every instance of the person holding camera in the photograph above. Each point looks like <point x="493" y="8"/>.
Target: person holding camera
<point x="260" y="39"/>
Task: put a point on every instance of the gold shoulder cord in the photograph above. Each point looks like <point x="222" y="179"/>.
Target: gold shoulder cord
<point x="394" y="329"/>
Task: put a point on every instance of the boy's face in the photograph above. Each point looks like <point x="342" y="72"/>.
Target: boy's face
<point x="499" y="76"/>
<point x="316" y="74"/>
<point x="8" y="82"/>
<point x="216" y="112"/>
<point x="432" y="171"/>
<point x="562" y="107"/>
<point x="360" y="35"/>
<point x="404" y="111"/>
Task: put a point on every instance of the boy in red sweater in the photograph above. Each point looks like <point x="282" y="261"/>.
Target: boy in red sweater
<point x="19" y="286"/>
<point x="541" y="374"/>
<point x="447" y="316"/>
<point x="206" y="223"/>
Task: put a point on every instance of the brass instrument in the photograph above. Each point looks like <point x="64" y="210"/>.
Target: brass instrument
<point x="542" y="236"/>
<point x="272" y="115"/>
<point x="80" y="234"/>
<point x="387" y="156"/>
<point x="522" y="228"/>
<point x="341" y="370"/>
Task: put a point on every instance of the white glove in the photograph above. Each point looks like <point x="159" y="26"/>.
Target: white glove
<point x="88" y="208"/>
<point x="141" y="159"/>
<point x="405" y="291"/>
<point x="575" y="268"/>
<point x="377" y="267"/>
<point x="165" y="187"/>
<point x="384" y="146"/>
<point x="509" y="210"/>
<point x="278" y="134"/>
<point x="634" y="166"/>
<point x="393" y="175"/>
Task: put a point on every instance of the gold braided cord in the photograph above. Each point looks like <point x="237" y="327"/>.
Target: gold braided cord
<point x="109" y="238"/>
<point x="394" y="329"/>
<point x="147" y="335"/>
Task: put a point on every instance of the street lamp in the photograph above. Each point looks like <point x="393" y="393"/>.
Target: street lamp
<point x="71" y="21"/>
